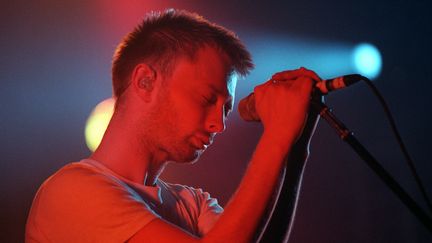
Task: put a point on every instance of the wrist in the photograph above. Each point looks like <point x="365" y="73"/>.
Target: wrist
<point x="279" y="141"/>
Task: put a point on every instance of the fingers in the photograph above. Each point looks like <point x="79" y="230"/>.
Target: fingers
<point x="302" y="84"/>
<point x="294" y="74"/>
<point x="301" y="79"/>
<point x="264" y="85"/>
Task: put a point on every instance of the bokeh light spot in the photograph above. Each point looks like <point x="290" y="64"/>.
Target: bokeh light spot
<point x="98" y="122"/>
<point x="367" y="60"/>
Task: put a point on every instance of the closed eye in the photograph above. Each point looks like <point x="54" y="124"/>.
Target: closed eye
<point x="213" y="99"/>
<point x="210" y="99"/>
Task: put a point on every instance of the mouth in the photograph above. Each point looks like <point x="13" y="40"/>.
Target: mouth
<point x="203" y="143"/>
<point x="207" y="141"/>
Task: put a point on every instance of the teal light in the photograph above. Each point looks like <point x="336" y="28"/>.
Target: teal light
<point x="367" y="60"/>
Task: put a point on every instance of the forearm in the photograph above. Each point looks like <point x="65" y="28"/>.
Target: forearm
<point x="244" y="212"/>
<point x="282" y="217"/>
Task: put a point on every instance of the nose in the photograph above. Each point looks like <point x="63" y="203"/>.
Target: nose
<point x="216" y="120"/>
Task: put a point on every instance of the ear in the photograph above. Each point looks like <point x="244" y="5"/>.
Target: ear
<point x="143" y="80"/>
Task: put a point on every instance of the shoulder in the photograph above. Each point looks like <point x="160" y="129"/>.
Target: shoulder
<point x="82" y="185"/>
<point x="82" y="201"/>
<point x="77" y="180"/>
<point x="75" y="186"/>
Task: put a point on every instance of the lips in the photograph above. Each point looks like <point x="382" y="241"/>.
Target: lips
<point x="207" y="141"/>
<point x="204" y="142"/>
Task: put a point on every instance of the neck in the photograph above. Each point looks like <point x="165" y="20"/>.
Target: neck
<point x="122" y="153"/>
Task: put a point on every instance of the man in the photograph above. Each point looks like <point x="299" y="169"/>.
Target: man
<point x="174" y="82"/>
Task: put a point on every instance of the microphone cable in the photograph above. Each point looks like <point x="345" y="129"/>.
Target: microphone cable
<point x="399" y="140"/>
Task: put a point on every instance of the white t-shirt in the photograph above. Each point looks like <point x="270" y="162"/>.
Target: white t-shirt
<point x="86" y="202"/>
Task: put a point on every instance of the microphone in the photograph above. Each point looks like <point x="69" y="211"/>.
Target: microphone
<point x="341" y="82"/>
<point x="246" y="106"/>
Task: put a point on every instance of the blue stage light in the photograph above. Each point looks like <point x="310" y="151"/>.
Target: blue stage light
<point x="367" y="60"/>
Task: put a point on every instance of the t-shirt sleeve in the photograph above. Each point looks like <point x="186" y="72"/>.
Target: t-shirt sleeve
<point x="198" y="209"/>
<point x="210" y="211"/>
<point x="79" y="205"/>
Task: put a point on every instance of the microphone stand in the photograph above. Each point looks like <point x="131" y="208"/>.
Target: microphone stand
<point x="348" y="137"/>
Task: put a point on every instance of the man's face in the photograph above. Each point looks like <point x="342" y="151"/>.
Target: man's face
<point x="193" y="106"/>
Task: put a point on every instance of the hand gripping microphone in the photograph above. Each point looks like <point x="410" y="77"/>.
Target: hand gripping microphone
<point x="246" y="106"/>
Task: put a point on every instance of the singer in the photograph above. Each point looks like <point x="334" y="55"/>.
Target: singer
<point x="172" y="78"/>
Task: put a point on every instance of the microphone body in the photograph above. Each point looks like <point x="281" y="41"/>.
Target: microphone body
<point x="248" y="112"/>
<point x="341" y="82"/>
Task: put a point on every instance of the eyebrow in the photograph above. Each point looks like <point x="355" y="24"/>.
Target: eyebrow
<point x="221" y="92"/>
<point x="211" y="86"/>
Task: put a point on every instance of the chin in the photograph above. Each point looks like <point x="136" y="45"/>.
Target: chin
<point x="196" y="158"/>
<point x="189" y="158"/>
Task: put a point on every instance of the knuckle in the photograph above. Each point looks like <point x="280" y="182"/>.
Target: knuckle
<point x="304" y="79"/>
<point x="258" y="88"/>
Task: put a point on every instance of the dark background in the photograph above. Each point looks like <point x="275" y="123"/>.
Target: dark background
<point x="55" y="67"/>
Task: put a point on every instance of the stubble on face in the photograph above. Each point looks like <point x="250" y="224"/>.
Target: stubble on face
<point x="177" y="124"/>
<point x="161" y="132"/>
